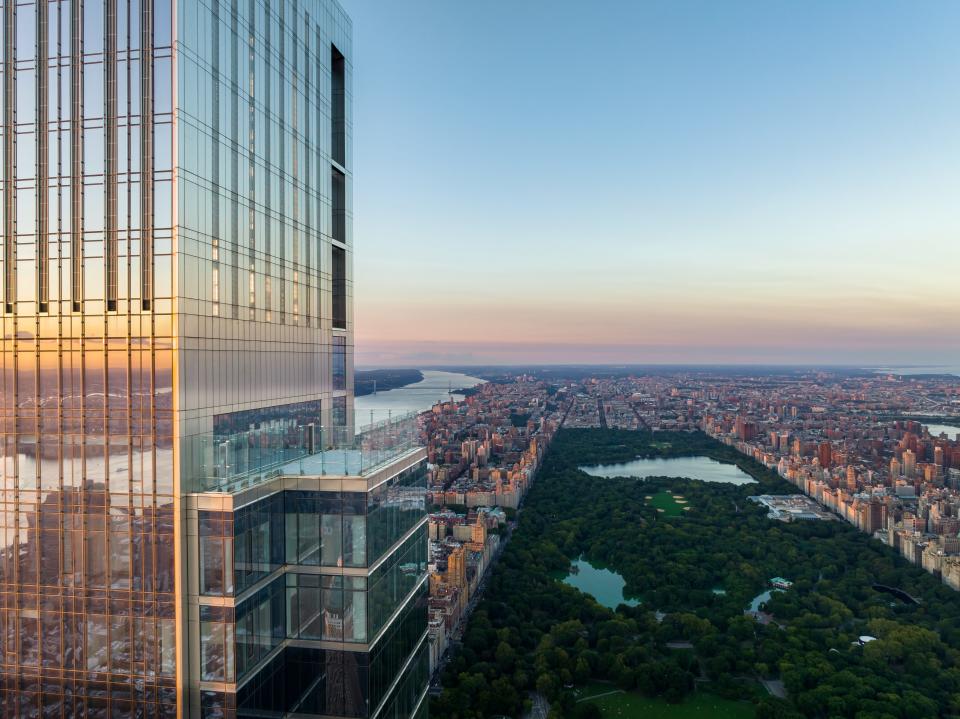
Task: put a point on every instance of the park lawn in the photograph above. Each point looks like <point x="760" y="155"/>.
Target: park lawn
<point x="668" y="503"/>
<point x="617" y="704"/>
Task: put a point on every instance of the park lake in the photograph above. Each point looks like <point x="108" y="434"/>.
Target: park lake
<point x="602" y="584"/>
<point x="702" y="468"/>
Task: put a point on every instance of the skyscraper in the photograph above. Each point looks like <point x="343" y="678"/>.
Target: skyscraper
<point x="191" y="526"/>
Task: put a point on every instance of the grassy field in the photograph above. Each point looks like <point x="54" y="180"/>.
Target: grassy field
<point x="668" y="503"/>
<point x="618" y="704"/>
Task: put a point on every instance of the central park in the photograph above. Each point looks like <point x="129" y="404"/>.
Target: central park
<point x="683" y="560"/>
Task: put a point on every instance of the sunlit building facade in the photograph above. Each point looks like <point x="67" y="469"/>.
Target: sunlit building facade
<point x="191" y="526"/>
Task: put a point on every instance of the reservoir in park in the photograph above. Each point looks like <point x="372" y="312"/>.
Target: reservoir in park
<point x="702" y="468"/>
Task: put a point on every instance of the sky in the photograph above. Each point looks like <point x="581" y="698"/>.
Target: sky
<point x="656" y="182"/>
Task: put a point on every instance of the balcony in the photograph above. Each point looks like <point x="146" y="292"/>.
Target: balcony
<point x="246" y="459"/>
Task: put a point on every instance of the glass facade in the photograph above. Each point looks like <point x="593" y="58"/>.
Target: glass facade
<point x="304" y="572"/>
<point x="390" y="680"/>
<point x="260" y="105"/>
<point x="308" y="528"/>
<point x="176" y="280"/>
<point x="376" y="531"/>
<point x="88" y="590"/>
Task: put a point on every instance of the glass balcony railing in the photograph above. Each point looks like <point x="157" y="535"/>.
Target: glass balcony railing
<point x="244" y="459"/>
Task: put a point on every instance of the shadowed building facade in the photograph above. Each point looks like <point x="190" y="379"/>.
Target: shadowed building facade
<point x="190" y="524"/>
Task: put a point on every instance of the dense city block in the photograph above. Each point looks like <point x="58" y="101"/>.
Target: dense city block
<point x="781" y="595"/>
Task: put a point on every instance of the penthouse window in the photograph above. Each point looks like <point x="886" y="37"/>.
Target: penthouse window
<point x="338" y="104"/>
<point x="339" y="361"/>
<point x="339" y="274"/>
<point x="339" y="205"/>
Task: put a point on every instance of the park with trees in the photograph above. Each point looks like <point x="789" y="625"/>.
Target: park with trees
<point x="694" y="573"/>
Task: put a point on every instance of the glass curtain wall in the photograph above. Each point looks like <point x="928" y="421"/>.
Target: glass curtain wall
<point x="87" y="620"/>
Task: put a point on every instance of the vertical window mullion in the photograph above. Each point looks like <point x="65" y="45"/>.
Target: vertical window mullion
<point x="43" y="150"/>
<point x="234" y="164"/>
<point x="251" y="212"/>
<point x="146" y="153"/>
<point x="281" y="170"/>
<point x="110" y="120"/>
<point x="9" y="138"/>
<point x="264" y="93"/>
<point x="305" y="183"/>
<point x="215" y="159"/>
<point x="76" y="150"/>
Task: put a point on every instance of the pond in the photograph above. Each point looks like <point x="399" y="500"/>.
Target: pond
<point x="603" y="585"/>
<point x="760" y="599"/>
<point x="703" y="468"/>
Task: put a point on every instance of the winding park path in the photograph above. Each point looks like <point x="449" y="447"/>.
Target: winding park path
<point x="775" y="687"/>
<point x="540" y="707"/>
<point x="605" y="694"/>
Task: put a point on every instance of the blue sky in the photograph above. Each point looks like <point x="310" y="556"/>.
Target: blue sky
<point x="656" y="181"/>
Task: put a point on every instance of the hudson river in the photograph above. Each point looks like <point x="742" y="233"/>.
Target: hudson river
<point x="434" y="387"/>
<point x="919" y="370"/>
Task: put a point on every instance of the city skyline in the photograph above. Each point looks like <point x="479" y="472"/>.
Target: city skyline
<point x="809" y="518"/>
<point x="657" y="182"/>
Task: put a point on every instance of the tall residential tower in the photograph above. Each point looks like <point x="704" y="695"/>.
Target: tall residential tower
<point x="190" y="525"/>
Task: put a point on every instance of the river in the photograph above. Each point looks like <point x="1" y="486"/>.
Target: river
<point x="919" y="370"/>
<point x="434" y="387"/>
<point x="937" y="429"/>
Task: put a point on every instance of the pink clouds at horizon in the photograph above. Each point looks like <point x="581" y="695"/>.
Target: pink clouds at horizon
<point x="372" y="353"/>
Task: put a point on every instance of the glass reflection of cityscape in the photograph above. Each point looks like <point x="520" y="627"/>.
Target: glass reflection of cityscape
<point x="191" y="526"/>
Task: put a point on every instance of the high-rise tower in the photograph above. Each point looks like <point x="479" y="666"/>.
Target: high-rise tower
<point x="190" y="525"/>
